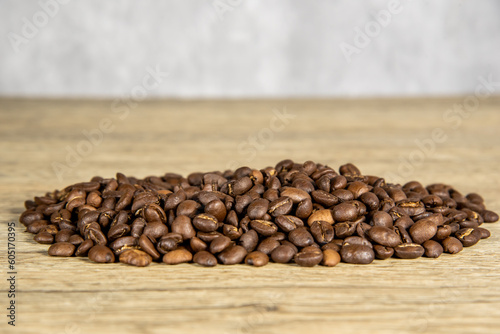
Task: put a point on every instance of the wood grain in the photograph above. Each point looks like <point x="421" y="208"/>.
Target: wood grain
<point x="451" y="294"/>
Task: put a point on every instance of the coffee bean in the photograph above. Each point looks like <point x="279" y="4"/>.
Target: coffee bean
<point x="233" y="255"/>
<point x="332" y="246"/>
<point x="183" y="226"/>
<point x="300" y="237"/>
<point x="321" y="215"/>
<point x="101" y="254"/>
<point x="280" y="206"/>
<point x="135" y="257"/>
<point x="155" y="230"/>
<point x="283" y="254"/>
<point x="267" y="245"/>
<point x="432" y="248"/>
<point x="75" y="239"/>
<point x="322" y="231"/>
<point x="452" y="245"/>
<point x="484" y="232"/>
<point x="345" y="211"/>
<point x="169" y="242"/>
<point x="384" y="236"/>
<point x="409" y="251"/>
<point x="63" y="235"/>
<point x="205" y="259"/>
<point x="468" y="236"/>
<point x="147" y="245"/>
<point x="288" y="223"/>
<point x="264" y="227"/>
<point x="44" y="238"/>
<point x="217" y="209"/>
<point x="256" y="259"/>
<point x="381" y="218"/>
<point x="443" y="232"/>
<point x="489" y="216"/>
<point x="295" y="194"/>
<point x="64" y="249"/>
<point x="178" y="256"/>
<point x="308" y="258"/>
<point x="84" y="248"/>
<point x="357" y="254"/>
<point x="422" y="231"/>
<point x="219" y="244"/>
<point x="330" y="258"/>
<point x="205" y="222"/>
<point x="324" y="198"/>
<point x="383" y="252"/>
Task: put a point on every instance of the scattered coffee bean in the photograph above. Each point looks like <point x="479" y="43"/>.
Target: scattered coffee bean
<point x="432" y="248"/>
<point x="136" y="258"/>
<point x="178" y="256"/>
<point x="101" y="254"/>
<point x="256" y="259"/>
<point x="64" y="249"/>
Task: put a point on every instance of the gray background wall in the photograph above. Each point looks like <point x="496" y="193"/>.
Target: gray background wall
<point x="254" y="49"/>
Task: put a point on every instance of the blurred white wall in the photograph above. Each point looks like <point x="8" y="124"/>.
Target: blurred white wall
<point x="236" y="48"/>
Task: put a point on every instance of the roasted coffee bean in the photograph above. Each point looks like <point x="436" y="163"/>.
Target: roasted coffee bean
<point x="256" y="259"/>
<point x="280" y="206"/>
<point x="64" y="249"/>
<point x="384" y="236"/>
<point x="283" y="254"/>
<point x="321" y="215"/>
<point x="468" y="236"/>
<point x="233" y="255"/>
<point x="147" y="245"/>
<point x="452" y="245"/>
<point x="183" y="226"/>
<point x="234" y="213"/>
<point x="288" y="223"/>
<point x="357" y="254"/>
<point x="308" y="258"/>
<point x="432" y="248"/>
<point x="264" y="227"/>
<point x="84" y="248"/>
<point x="182" y="255"/>
<point x="135" y="257"/>
<point x="383" y="252"/>
<point x="409" y="251"/>
<point x="258" y="208"/>
<point x="101" y="254"/>
<point x="44" y="238"/>
<point x="300" y="237"/>
<point x="205" y="222"/>
<point x="422" y="231"/>
<point x="330" y="258"/>
<point x="322" y="232"/>
<point x="345" y="211"/>
<point x="219" y="244"/>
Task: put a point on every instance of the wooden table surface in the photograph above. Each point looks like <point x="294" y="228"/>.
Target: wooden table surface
<point x="451" y="294"/>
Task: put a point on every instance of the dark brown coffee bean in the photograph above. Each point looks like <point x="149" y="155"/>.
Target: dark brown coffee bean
<point x="322" y="232"/>
<point x="233" y="255"/>
<point x="101" y="254"/>
<point x="155" y="230"/>
<point x="267" y="245"/>
<point x="452" y="245"/>
<point x="188" y="208"/>
<point x="324" y="198"/>
<point x="44" y="238"/>
<point x="357" y="254"/>
<point x="308" y="258"/>
<point x="232" y="232"/>
<point x="217" y="209"/>
<point x="256" y="259"/>
<point x="345" y="229"/>
<point x="241" y="186"/>
<point x="358" y="188"/>
<point x="432" y="248"/>
<point x="64" y="249"/>
<point x="183" y="226"/>
<point x="468" y="236"/>
<point x="122" y="244"/>
<point x="63" y="235"/>
<point x="384" y="236"/>
<point x="304" y="209"/>
<point x="338" y="182"/>
<point x="295" y="194"/>
<point x="349" y="170"/>
<point x="345" y="211"/>
<point x="182" y="255"/>
<point x="135" y="257"/>
<point x="169" y="242"/>
<point x="264" y="227"/>
<point x="330" y="258"/>
<point x="331" y="245"/>
<point x="422" y="231"/>
<point x="370" y="200"/>
<point x="381" y="218"/>
<point x="443" y="232"/>
<point x="118" y="231"/>
<point x="489" y="216"/>
<point x="484" y="232"/>
<point x="205" y="222"/>
<point x="288" y="223"/>
<point x="300" y="237"/>
<point x="258" y="208"/>
<point x="75" y="239"/>
<point x="84" y="248"/>
<point x="283" y="254"/>
<point x="219" y="244"/>
<point x="409" y="251"/>
<point x="37" y="226"/>
<point x="197" y="245"/>
<point x="249" y="240"/>
<point x="383" y="252"/>
<point x="280" y="206"/>
<point x="146" y="244"/>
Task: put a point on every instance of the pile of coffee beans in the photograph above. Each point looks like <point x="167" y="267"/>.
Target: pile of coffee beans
<point x="306" y="214"/>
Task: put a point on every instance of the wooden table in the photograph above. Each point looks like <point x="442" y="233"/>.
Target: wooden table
<point x="452" y="294"/>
